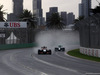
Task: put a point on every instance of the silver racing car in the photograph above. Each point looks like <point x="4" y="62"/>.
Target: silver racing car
<point x="60" y="48"/>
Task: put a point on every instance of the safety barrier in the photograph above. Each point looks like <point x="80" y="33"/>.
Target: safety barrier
<point x="90" y="51"/>
<point x="16" y="46"/>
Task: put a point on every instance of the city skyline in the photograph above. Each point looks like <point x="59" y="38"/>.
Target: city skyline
<point x="65" y="5"/>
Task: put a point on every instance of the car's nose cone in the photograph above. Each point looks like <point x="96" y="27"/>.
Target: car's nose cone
<point x="44" y="50"/>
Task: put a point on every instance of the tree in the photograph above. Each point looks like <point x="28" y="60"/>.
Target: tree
<point x="76" y="27"/>
<point x="1" y="13"/>
<point x="96" y="10"/>
<point x="31" y="23"/>
<point x="27" y="16"/>
<point x="79" y="19"/>
<point x="55" y="22"/>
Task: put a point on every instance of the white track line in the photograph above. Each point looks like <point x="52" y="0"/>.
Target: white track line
<point x="92" y="73"/>
<point x="64" y="68"/>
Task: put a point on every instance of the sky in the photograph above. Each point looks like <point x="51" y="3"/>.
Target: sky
<point x="63" y="5"/>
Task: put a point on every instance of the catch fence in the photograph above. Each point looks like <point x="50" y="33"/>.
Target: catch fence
<point x="89" y="30"/>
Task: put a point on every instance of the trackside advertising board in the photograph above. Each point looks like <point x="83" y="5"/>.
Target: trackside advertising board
<point x="13" y="24"/>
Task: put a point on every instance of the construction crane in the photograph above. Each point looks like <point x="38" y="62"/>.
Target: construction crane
<point x="98" y="2"/>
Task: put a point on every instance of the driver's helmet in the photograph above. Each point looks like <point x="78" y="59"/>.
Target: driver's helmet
<point x="60" y="46"/>
<point x="44" y="47"/>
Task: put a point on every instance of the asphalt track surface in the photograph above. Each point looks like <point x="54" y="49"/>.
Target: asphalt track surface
<point x="26" y="62"/>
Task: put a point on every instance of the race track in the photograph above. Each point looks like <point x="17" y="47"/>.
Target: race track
<point x="28" y="62"/>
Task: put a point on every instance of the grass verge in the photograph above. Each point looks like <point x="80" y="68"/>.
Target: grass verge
<point x="77" y="53"/>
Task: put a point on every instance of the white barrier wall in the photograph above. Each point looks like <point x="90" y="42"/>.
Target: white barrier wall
<point x="90" y="51"/>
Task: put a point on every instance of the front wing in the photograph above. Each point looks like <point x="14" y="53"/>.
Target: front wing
<point x="61" y="49"/>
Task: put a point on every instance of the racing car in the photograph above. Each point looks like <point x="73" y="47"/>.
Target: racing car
<point x="44" y="50"/>
<point x="59" y="48"/>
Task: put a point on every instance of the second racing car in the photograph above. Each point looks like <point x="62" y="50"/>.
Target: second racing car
<point x="60" y="48"/>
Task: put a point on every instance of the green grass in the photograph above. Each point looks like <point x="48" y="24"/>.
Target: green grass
<point x="76" y="53"/>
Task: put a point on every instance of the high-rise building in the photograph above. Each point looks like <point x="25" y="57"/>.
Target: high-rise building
<point x="70" y="18"/>
<point x="17" y="10"/>
<point x="84" y="8"/>
<point x="64" y="17"/>
<point x="38" y="12"/>
<point x="47" y="17"/>
<point x="11" y="17"/>
<point x="81" y="9"/>
<point x="51" y="10"/>
<point x="17" y="7"/>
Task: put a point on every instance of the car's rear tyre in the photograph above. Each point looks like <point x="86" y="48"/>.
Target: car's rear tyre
<point x="39" y="52"/>
<point x="50" y="52"/>
<point x="63" y="49"/>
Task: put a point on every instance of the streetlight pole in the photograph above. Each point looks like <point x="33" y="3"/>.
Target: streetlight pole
<point x="89" y="33"/>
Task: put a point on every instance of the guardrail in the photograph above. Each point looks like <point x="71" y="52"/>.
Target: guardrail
<point x="16" y="46"/>
<point x="92" y="74"/>
<point x="90" y="51"/>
